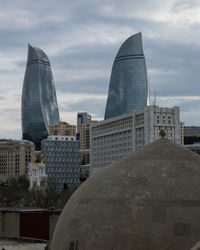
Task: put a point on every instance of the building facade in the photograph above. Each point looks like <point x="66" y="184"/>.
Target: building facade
<point x="128" y="88"/>
<point x="182" y="133"/>
<point x="113" y="138"/>
<point x="82" y="118"/>
<point x="15" y="155"/>
<point x="62" y="159"/>
<point x="39" y="103"/>
<point x="62" y="128"/>
<point x="191" y="134"/>
<point x="85" y="144"/>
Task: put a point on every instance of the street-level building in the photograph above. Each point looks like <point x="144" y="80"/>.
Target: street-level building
<point x="114" y="138"/>
<point x="62" y="159"/>
<point x="14" y="157"/>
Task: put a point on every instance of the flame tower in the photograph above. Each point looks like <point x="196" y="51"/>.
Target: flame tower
<point x="39" y="103"/>
<point x="128" y="87"/>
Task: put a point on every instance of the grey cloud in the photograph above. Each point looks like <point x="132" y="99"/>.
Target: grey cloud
<point x="97" y="86"/>
<point x="63" y="30"/>
<point x="178" y="65"/>
<point x="190" y="106"/>
<point x="12" y="114"/>
<point x="93" y="106"/>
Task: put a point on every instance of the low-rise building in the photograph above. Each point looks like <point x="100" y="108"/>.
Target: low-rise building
<point x="191" y="134"/>
<point x="62" y="159"/>
<point x="14" y="157"/>
<point x="37" y="175"/>
<point x="113" y="138"/>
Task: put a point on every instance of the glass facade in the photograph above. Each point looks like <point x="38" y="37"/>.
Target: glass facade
<point x="128" y="87"/>
<point x="39" y="103"/>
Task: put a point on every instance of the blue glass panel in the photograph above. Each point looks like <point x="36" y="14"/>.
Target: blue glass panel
<point x="128" y="87"/>
<point x="39" y="103"/>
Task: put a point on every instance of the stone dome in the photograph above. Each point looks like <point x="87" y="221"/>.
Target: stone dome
<point x="149" y="200"/>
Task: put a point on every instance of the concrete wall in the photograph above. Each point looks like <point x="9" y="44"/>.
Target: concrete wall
<point x="9" y="224"/>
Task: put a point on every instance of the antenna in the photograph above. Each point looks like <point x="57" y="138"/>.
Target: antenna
<point x="154" y="100"/>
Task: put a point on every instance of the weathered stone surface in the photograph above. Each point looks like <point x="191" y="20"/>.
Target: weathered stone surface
<point x="149" y="200"/>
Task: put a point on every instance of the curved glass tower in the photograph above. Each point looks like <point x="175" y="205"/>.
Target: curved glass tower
<point x="128" y="87"/>
<point x="39" y="103"/>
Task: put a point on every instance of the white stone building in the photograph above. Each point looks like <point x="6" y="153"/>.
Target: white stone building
<point x="37" y="174"/>
<point x="115" y="137"/>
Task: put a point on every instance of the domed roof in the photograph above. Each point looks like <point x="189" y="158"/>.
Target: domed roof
<point x="149" y="200"/>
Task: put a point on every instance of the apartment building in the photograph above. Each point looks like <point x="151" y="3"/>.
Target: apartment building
<point x="115" y="137"/>
<point x="14" y="157"/>
<point x="62" y="128"/>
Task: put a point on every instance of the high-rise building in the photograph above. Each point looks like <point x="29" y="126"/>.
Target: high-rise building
<point x="82" y="117"/>
<point x="128" y="87"/>
<point x="39" y="103"/>
<point x="62" y="160"/>
<point x="85" y="136"/>
<point x="85" y="142"/>
<point x="15" y="155"/>
<point x="85" y="146"/>
<point x="62" y="128"/>
<point x="114" y="138"/>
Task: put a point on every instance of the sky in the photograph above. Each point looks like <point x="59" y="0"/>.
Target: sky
<point x="82" y="38"/>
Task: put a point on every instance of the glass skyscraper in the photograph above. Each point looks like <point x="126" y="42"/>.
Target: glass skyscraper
<point x="39" y="103"/>
<point x="128" y="87"/>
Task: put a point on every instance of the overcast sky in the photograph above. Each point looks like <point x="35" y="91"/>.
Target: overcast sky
<point x="81" y="39"/>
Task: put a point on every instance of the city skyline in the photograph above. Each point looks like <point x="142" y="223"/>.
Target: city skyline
<point x="81" y="40"/>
